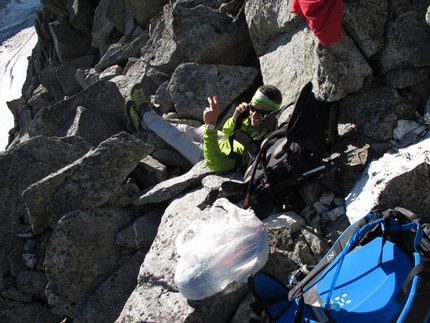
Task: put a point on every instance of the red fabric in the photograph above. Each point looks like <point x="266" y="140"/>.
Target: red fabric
<point x="324" y="17"/>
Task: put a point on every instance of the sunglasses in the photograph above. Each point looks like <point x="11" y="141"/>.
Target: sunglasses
<point x="261" y="113"/>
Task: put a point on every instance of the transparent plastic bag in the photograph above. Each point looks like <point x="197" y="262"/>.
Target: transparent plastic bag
<point x="233" y="245"/>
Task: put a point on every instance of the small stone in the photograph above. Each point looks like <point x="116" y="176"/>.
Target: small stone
<point x="31" y="263"/>
<point x="289" y="219"/>
<point x="404" y="127"/>
<point x="336" y="213"/>
<point x="339" y="201"/>
<point x="327" y="198"/>
<point x="320" y="207"/>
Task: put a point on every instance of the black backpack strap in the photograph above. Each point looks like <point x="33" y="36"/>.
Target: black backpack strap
<point x="235" y="133"/>
<point x="247" y="200"/>
<point x="424" y="266"/>
<point x="233" y="154"/>
<point x="210" y="199"/>
<point x="244" y="139"/>
<point x="295" y="168"/>
<point x="299" y="314"/>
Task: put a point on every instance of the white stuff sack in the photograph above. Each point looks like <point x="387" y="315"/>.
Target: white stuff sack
<point x="230" y="247"/>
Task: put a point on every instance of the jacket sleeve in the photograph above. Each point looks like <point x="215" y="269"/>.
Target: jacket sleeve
<point x="228" y="127"/>
<point x="215" y="152"/>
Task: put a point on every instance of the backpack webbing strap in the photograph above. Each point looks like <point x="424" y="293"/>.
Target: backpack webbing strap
<point x="293" y="162"/>
<point x="247" y="202"/>
<point x="298" y="318"/>
<point x="237" y="126"/>
<point x="237" y="157"/>
<point x="385" y="233"/>
<point x="424" y="266"/>
<point x="244" y="139"/>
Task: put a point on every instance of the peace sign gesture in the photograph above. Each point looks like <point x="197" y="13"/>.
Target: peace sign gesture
<point x="210" y="114"/>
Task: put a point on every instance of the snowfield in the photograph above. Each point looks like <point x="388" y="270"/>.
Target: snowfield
<point x="17" y="39"/>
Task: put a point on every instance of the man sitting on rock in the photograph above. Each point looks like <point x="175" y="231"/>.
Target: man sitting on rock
<point x="197" y="144"/>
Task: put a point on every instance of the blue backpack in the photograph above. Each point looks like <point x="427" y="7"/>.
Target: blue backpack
<point x="378" y="270"/>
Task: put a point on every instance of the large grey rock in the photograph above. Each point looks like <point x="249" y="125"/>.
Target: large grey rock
<point x="399" y="179"/>
<point x="13" y="106"/>
<point x="162" y="99"/>
<point x="161" y="50"/>
<point x="23" y="123"/>
<point x="20" y="167"/>
<point x="81" y="255"/>
<point x="373" y="113"/>
<point x="149" y="172"/>
<point x="139" y="72"/>
<point x="41" y="25"/>
<point x="111" y="72"/>
<point x="66" y="37"/>
<point x="55" y="7"/>
<point x="145" y="11"/>
<point x="403" y="78"/>
<point x="26" y="313"/>
<point x="194" y="26"/>
<point x="182" y="35"/>
<point x="171" y="188"/>
<point x="55" y="120"/>
<point x="142" y="232"/>
<point x="364" y="21"/>
<point x="87" y="183"/>
<point x="357" y="151"/>
<point x="102" y="26"/>
<point x="124" y="196"/>
<point x="80" y="15"/>
<point x="172" y="157"/>
<point x="120" y="53"/>
<point x="191" y="84"/>
<point x="66" y="73"/>
<point x="48" y="76"/>
<point x="266" y="22"/>
<point x="94" y="126"/>
<point x="404" y="127"/>
<point x="403" y="46"/>
<point x="86" y="76"/>
<point x="335" y="70"/>
<point x="32" y="282"/>
<point x="152" y="139"/>
<point x="42" y="97"/>
<point x="287" y="219"/>
<point x="107" y="302"/>
<point x="116" y="13"/>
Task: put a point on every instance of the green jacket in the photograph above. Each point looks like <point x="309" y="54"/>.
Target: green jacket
<point x="216" y="152"/>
